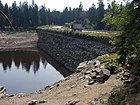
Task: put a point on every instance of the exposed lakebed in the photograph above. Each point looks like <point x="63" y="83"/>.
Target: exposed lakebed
<point x="28" y="71"/>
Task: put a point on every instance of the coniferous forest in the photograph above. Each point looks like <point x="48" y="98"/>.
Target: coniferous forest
<point x="25" y="15"/>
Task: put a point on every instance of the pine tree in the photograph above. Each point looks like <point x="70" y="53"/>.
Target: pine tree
<point x="128" y="43"/>
<point x="100" y="15"/>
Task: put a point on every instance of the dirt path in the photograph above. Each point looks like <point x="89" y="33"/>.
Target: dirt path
<point x="73" y="88"/>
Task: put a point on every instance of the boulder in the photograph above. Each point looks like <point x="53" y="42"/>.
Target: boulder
<point x="94" y="71"/>
<point x="106" y="73"/>
<point x="98" y="70"/>
<point x="72" y="102"/>
<point x="99" y="79"/>
<point x="91" y="81"/>
<point x="82" y="65"/>
<point x="2" y="91"/>
<point x="96" y="63"/>
<point x="93" y="75"/>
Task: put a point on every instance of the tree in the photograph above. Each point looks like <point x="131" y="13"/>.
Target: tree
<point x="92" y="14"/>
<point x="14" y="14"/>
<point x="26" y="16"/>
<point x="1" y="20"/>
<point x="43" y="15"/>
<point x="65" y="16"/>
<point x="128" y="43"/>
<point x="6" y="10"/>
<point x="100" y="15"/>
<point x="81" y="14"/>
<point x="1" y="6"/>
<point x="36" y="15"/>
<point x="116" y="16"/>
<point x="88" y="24"/>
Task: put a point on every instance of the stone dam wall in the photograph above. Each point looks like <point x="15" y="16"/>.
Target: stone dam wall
<point x="70" y="51"/>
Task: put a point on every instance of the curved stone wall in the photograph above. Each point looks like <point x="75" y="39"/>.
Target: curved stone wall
<point x="71" y="51"/>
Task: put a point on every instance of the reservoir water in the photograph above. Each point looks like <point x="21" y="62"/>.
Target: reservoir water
<point x="28" y="71"/>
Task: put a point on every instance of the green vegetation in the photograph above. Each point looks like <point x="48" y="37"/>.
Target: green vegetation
<point x="103" y="37"/>
<point x="127" y="19"/>
<point x="116" y="16"/>
<point x="25" y="15"/>
<point x="128" y="43"/>
<point x="111" y="62"/>
<point x="117" y="97"/>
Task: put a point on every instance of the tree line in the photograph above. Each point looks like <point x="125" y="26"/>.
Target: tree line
<point x="26" y="15"/>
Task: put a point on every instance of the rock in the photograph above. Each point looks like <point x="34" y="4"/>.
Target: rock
<point x="126" y="74"/>
<point x="81" y="77"/>
<point x="124" y="78"/>
<point x="98" y="70"/>
<point x="2" y="89"/>
<point x="85" y="86"/>
<point x="87" y="76"/>
<point x="96" y="63"/>
<point x="33" y="102"/>
<point x="102" y="66"/>
<point x="89" y="62"/>
<point x="19" y="95"/>
<point x="57" y="85"/>
<point x="106" y="73"/>
<point x="72" y="102"/>
<point x="36" y="102"/>
<point x="93" y="70"/>
<point x="46" y="87"/>
<point x="51" y="87"/>
<point x="99" y="79"/>
<point x="11" y="95"/>
<point x="42" y="101"/>
<point x="82" y="65"/>
<point x="72" y="86"/>
<point x="87" y="72"/>
<point x="93" y="75"/>
<point x="78" y="70"/>
<point x="91" y="81"/>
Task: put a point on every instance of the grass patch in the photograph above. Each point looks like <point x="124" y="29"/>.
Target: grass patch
<point x="102" y="37"/>
<point x="111" y="62"/>
<point x="68" y="30"/>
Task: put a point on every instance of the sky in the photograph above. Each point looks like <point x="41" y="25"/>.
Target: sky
<point x="59" y="4"/>
<point x="56" y="4"/>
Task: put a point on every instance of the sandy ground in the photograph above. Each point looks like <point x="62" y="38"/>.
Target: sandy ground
<point x="72" y="88"/>
<point x="18" y="40"/>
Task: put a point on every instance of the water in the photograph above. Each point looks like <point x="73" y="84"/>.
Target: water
<point x="28" y="71"/>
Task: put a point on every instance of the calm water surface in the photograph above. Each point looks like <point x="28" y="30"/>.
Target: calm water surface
<point x="27" y="71"/>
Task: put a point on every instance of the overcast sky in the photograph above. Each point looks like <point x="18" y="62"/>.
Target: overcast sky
<point x="59" y="4"/>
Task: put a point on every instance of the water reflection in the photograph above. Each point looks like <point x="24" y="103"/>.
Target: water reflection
<point x="28" y="71"/>
<point x="23" y="58"/>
